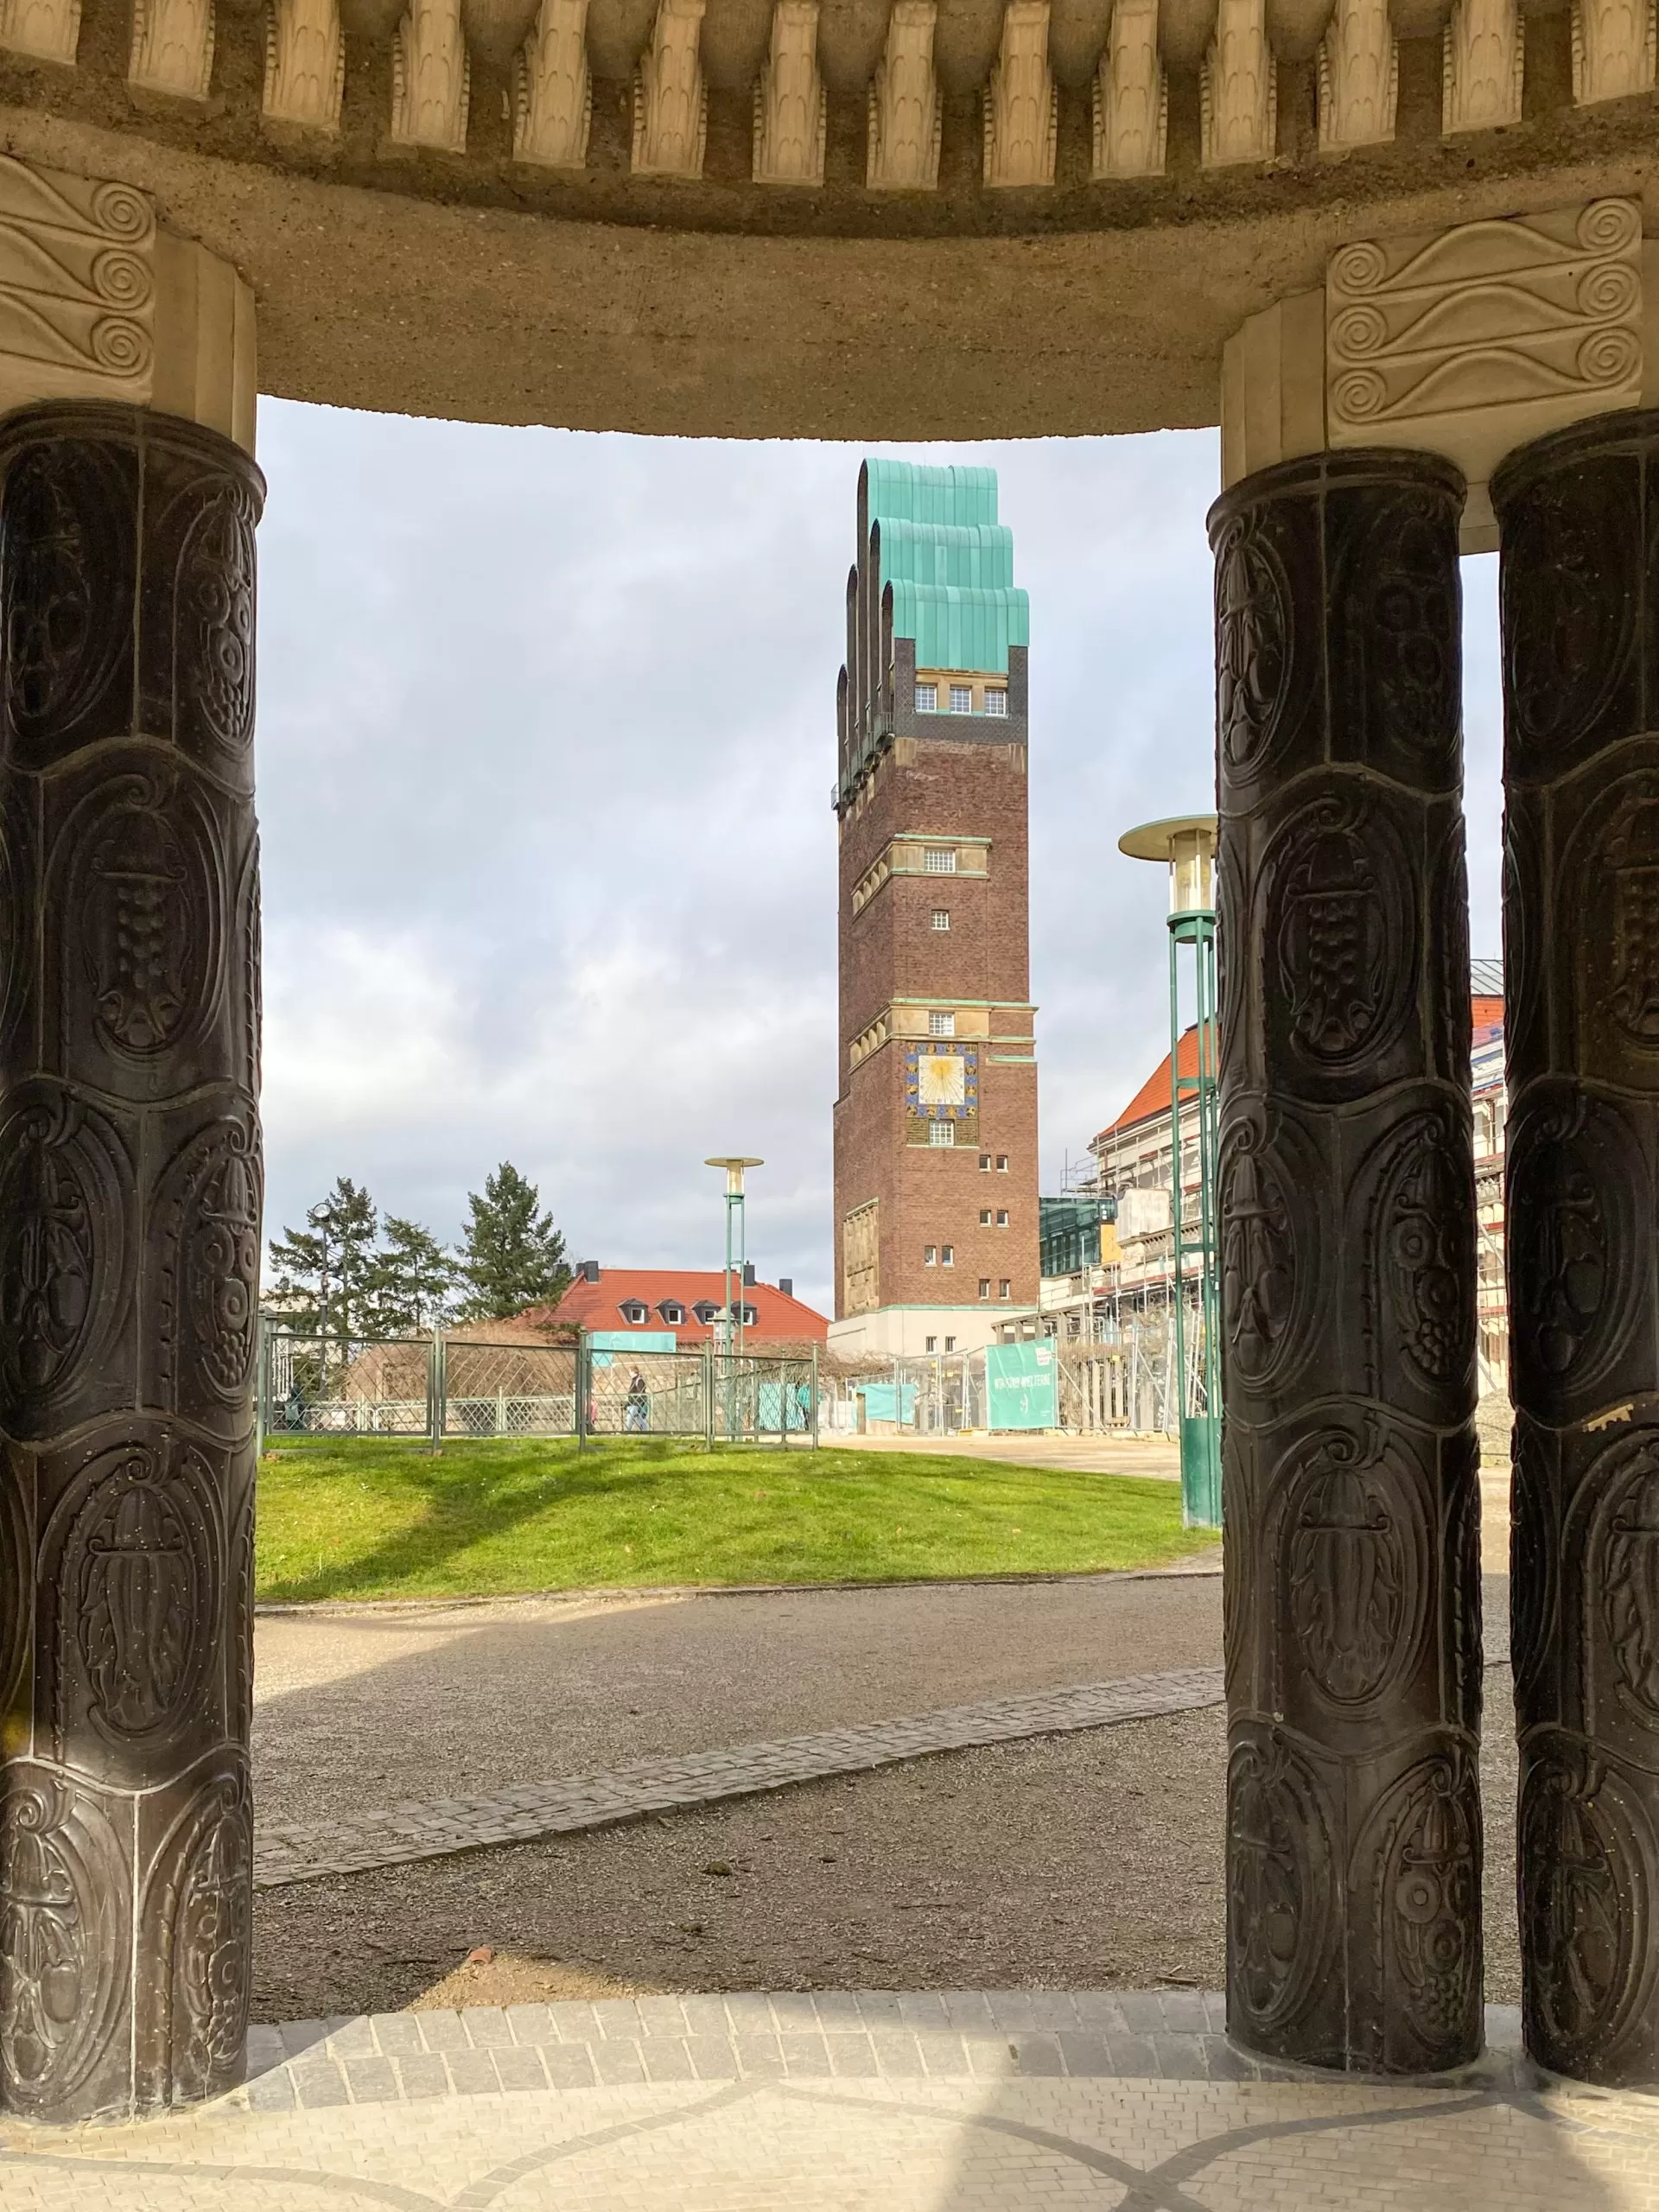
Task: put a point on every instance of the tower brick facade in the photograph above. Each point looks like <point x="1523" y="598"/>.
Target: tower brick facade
<point x="936" y="1120"/>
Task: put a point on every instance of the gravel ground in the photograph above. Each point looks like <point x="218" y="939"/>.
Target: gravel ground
<point x="361" y="1708"/>
<point x="1088" y="1860"/>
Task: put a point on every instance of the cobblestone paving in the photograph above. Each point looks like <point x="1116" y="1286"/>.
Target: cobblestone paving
<point x="855" y="2102"/>
<point x="529" y="1811"/>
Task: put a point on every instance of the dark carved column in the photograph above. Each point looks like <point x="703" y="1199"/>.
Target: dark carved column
<point x="1350" y="1492"/>
<point x="129" y="1221"/>
<point x="1580" y="604"/>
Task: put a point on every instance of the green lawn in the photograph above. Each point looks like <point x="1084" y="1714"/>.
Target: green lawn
<point x="372" y="1519"/>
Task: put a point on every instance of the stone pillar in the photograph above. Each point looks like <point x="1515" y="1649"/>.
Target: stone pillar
<point x="1581" y="608"/>
<point x="1347" y="1225"/>
<point x="130" y="1164"/>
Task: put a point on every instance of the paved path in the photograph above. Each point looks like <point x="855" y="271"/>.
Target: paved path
<point x="1156" y="1456"/>
<point x="360" y="1707"/>
<point x="439" y="1828"/>
<point x="852" y="2103"/>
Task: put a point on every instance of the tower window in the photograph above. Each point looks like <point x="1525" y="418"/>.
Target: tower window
<point x="984" y="1286"/>
<point x="947" y="1255"/>
<point x="941" y="1025"/>
<point x="950" y="1343"/>
<point x="961" y="698"/>
<point x="1002" y="1217"/>
<point x="984" y="1163"/>
<point x="941" y="917"/>
<point x="1003" y="1287"/>
<point x="942" y="1133"/>
<point x="933" y="1344"/>
<point x="930" y="1255"/>
<point x="1001" y="1163"/>
<point x="996" y="702"/>
<point x="985" y="1216"/>
<point x="927" y="698"/>
<point x="938" y="859"/>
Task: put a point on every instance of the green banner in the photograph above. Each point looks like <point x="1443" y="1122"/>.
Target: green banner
<point x="1022" y="1386"/>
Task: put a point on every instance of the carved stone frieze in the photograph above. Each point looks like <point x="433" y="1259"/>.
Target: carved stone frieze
<point x="671" y="100"/>
<point x="905" y="115"/>
<point x="129" y="1238"/>
<point x="1022" y="101"/>
<point x="431" y="77"/>
<point x="47" y="30"/>
<point x="1581" y="774"/>
<point x="305" y="64"/>
<point x="1131" y="95"/>
<point x="1359" y="76"/>
<point x="553" y="88"/>
<point x="1345" y="1215"/>
<point x="1613" y="43"/>
<point x="1483" y="58"/>
<point x="1239" y="87"/>
<point x="172" y="48"/>
<point x="791" y="106"/>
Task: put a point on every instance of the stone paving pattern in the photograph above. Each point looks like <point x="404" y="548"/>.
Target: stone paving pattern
<point x="529" y="1811"/>
<point x="843" y="2102"/>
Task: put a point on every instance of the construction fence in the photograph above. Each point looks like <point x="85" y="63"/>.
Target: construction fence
<point x="444" y="1388"/>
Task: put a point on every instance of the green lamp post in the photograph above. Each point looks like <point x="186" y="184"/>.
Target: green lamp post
<point x="731" y="1329"/>
<point x="1186" y="846"/>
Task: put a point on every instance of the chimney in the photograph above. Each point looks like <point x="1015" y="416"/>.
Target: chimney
<point x="786" y="1284"/>
<point x="748" y="1275"/>
<point x="588" y="1270"/>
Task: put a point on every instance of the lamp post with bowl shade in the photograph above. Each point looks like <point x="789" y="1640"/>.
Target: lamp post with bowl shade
<point x="1186" y="846"/>
<point x="736" y="1247"/>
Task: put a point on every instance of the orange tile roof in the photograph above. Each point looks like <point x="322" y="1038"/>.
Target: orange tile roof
<point x="779" y="1317"/>
<point x="1153" y="1097"/>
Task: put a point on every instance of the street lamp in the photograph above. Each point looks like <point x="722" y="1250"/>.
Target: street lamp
<point x="1186" y="845"/>
<point x="734" y="1236"/>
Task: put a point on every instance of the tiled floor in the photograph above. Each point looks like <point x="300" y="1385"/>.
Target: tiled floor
<point x="842" y="2103"/>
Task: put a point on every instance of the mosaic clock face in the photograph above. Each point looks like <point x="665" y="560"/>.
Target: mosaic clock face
<point x="941" y="1079"/>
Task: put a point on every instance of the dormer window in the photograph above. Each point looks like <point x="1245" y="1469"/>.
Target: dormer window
<point x="672" y="1313"/>
<point x="744" y="1314"/>
<point x="705" y="1310"/>
<point x="634" y="1312"/>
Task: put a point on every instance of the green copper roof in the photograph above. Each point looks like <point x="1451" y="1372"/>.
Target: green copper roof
<point x="950" y="563"/>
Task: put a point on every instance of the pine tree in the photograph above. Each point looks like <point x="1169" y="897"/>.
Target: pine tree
<point x="411" y="1280"/>
<point x="512" y="1255"/>
<point x="323" y="1270"/>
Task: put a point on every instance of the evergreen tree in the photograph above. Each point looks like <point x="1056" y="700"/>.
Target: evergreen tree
<point x="512" y="1256"/>
<point x="323" y="1270"/>
<point x="411" y="1280"/>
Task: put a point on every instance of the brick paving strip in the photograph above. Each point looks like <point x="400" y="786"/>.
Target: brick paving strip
<point x="444" y="1826"/>
<point x="1175" y="2034"/>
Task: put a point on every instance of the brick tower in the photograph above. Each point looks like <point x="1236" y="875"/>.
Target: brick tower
<point x="936" y="1123"/>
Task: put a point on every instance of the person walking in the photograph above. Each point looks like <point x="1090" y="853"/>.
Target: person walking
<point x="637" y="1406"/>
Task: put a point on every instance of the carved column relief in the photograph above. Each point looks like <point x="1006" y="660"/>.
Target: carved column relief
<point x="670" y="100"/>
<point x="790" y="105"/>
<point x="1022" y="101"/>
<point x="1239" y="87"/>
<point x="1613" y="43"/>
<point x="906" y="116"/>
<point x="1483" y="55"/>
<point x="1581" y="621"/>
<point x="172" y="47"/>
<point x="130" y="1238"/>
<point x="305" y="64"/>
<point x="49" y="30"/>
<point x="553" y="88"/>
<point x="431" y="77"/>
<point x="1346" y="1214"/>
<point x="1131" y="97"/>
<point x="1359" y="76"/>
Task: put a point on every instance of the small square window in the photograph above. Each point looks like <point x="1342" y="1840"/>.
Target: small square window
<point x="996" y="702"/>
<point x="984" y="1286"/>
<point x="1001" y="1163"/>
<point x="947" y="1255"/>
<point x="1004" y="1287"/>
<point x="1001" y="1216"/>
<point x="984" y="1163"/>
<point x="938" y="859"/>
<point x="927" y="698"/>
<point x="933" y="1344"/>
<point x="941" y="1025"/>
<point x="950" y="1343"/>
<point x="941" y="1133"/>
<point x="941" y="917"/>
<point x="961" y="698"/>
<point x="930" y="1255"/>
<point x="985" y="1216"/>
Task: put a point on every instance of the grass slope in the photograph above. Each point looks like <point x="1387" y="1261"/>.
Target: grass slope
<point x="378" y="1519"/>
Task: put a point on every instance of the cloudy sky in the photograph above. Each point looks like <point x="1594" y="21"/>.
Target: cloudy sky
<point x="547" y="737"/>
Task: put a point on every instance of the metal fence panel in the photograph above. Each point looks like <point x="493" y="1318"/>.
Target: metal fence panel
<point x="345" y="1386"/>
